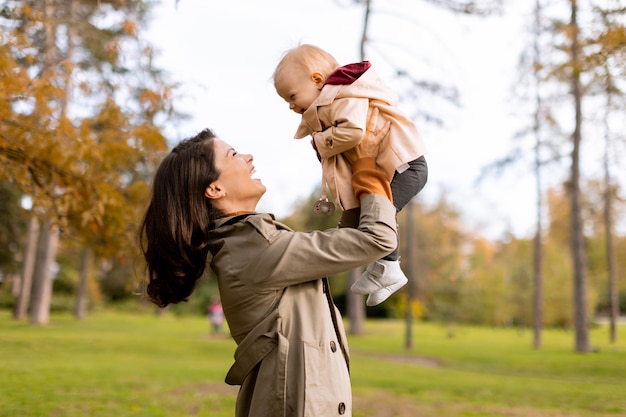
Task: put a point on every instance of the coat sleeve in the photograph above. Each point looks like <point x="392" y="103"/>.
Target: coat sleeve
<point x="346" y="119"/>
<point x="289" y="258"/>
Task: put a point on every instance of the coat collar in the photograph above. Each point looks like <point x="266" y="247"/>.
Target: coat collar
<point x="310" y="121"/>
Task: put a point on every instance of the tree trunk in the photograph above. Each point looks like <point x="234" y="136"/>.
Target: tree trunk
<point x="366" y="19"/>
<point x="71" y="36"/>
<point x="577" y="242"/>
<point x="537" y="287"/>
<point x="82" y="297"/>
<point x="50" y="47"/>
<point x="28" y="265"/>
<point x="16" y="284"/>
<point x="356" y="304"/>
<point x="610" y="260"/>
<point x="410" y="272"/>
<point x="43" y="275"/>
<point x="538" y="245"/>
<point x="608" y="224"/>
<point x="48" y="240"/>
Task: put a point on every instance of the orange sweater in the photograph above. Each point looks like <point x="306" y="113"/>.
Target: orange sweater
<point x="366" y="179"/>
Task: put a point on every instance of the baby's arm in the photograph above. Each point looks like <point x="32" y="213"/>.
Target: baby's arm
<point x="347" y="119"/>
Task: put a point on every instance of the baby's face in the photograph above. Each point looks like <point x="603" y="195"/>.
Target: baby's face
<point x="298" y="89"/>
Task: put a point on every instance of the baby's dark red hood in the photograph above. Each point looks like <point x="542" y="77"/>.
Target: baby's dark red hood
<point x="348" y="73"/>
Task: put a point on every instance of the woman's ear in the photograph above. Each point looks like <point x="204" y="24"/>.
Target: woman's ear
<point x="214" y="191"/>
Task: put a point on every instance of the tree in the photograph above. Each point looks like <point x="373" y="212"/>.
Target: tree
<point x="572" y="59"/>
<point x="83" y="151"/>
<point x="28" y="263"/>
<point x="539" y="96"/>
<point x="415" y="86"/>
<point x="538" y="242"/>
<point x="581" y="321"/>
<point x="44" y="273"/>
<point x="587" y="74"/>
<point x="442" y="259"/>
<point x="607" y="73"/>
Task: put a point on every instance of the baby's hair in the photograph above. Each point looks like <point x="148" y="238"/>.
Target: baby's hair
<point x="308" y="58"/>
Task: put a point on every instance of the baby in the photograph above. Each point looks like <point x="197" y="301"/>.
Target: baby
<point x="334" y="102"/>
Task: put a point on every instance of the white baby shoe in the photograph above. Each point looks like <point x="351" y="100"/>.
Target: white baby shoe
<point x="381" y="279"/>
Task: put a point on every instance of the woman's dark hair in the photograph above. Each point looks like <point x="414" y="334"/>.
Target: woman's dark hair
<point x="173" y="234"/>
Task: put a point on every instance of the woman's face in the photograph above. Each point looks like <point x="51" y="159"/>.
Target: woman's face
<point x="237" y="189"/>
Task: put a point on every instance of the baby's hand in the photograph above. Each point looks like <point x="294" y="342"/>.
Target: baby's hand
<point x="368" y="147"/>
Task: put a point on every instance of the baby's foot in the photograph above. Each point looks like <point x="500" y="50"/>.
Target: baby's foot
<point x="381" y="279"/>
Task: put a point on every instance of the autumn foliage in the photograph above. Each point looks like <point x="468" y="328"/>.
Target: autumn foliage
<point x="80" y="147"/>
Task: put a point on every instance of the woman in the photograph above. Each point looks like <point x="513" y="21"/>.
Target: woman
<point x="292" y="356"/>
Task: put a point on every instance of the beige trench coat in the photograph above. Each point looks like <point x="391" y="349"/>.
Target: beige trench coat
<point x="337" y="121"/>
<point x="292" y="356"/>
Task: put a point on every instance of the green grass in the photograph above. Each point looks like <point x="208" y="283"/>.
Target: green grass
<point x="132" y="365"/>
<point x="490" y="371"/>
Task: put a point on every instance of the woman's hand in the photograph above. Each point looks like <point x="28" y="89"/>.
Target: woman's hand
<point x="368" y="147"/>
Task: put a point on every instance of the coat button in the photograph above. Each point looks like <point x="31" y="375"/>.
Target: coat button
<point x="341" y="408"/>
<point x="333" y="346"/>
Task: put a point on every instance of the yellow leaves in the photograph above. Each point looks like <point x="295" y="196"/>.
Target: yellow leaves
<point x="89" y="169"/>
<point x="148" y="136"/>
<point x="154" y="101"/>
<point x="7" y="66"/>
<point x="149" y="97"/>
<point x="138" y="191"/>
<point x="616" y="36"/>
<point x="114" y="47"/>
<point x="613" y="39"/>
<point x="28" y="13"/>
<point x="484" y="252"/>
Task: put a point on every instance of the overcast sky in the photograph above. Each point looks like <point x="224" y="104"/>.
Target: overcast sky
<point x="224" y="52"/>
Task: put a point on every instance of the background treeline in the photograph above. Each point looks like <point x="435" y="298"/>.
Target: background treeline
<point x="83" y="111"/>
<point x="460" y="277"/>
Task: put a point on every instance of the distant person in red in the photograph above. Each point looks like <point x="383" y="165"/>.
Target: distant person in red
<point x="335" y="102"/>
<point x="216" y="316"/>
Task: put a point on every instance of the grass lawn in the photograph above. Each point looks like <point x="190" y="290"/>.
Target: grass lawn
<point x="140" y="365"/>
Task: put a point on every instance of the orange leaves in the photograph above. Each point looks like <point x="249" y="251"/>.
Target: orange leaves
<point x="129" y="27"/>
<point x="88" y="168"/>
<point x="113" y="49"/>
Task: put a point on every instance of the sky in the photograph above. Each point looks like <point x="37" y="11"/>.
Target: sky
<point x="224" y="52"/>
